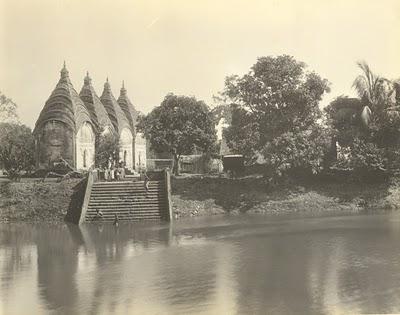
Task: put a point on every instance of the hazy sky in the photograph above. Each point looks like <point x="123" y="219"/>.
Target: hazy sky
<point x="186" y="46"/>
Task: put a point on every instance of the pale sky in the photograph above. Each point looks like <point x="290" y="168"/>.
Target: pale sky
<point x="186" y="46"/>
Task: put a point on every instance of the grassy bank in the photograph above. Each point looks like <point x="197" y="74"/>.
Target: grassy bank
<point x="199" y="195"/>
<point x="205" y="196"/>
<point x="36" y="201"/>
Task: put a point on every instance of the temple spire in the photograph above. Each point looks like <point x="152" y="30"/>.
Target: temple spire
<point x="107" y="85"/>
<point x="64" y="71"/>
<point x="123" y="90"/>
<point x="87" y="79"/>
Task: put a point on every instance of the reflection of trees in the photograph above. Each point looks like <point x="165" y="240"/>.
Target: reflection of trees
<point x="14" y="254"/>
<point x="57" y="265"/>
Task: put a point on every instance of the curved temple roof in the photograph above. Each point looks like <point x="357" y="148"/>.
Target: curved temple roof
<point x="115" y="113"/>
<point x="127" y="107"/>
<point x="64" y="105"/>
<point x="96" y="109"/>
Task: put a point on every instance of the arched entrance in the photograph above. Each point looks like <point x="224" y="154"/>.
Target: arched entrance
<point x="126" y="147"/>
<point x="85" y="141"/>
<point x="140" y="152"/>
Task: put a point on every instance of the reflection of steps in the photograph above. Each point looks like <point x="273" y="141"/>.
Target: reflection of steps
<point x="128" y="200"/>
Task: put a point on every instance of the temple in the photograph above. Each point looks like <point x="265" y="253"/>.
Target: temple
<point x="70" y="123"/>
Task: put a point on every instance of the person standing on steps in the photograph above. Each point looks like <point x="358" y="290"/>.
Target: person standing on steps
<point x="99" y="215"/>
<point x="146" y="181"/>
<point x="115" y="223"/>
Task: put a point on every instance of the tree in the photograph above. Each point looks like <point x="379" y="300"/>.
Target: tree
<point x="179" y="125"/>
<point x="107" y="148"/>
<point x="302" y="150"/>
<point x="370" y="87"/>
<point x="8" y="110"/>
<point x="344" y="116"/>
<point x="16" y="149"/>
<point x="276" y="97"/>
<point x="242" y="135"/>
<point x="365" y="159"/>
<point x="381" y="97"/>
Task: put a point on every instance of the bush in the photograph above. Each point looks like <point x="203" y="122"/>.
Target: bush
<point x="297" y="151"/>
<point x="365" y="159"/>
<point x="16" y="149"/>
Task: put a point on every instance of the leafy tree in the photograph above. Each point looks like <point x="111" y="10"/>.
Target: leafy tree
<point x="302" y="150"/>
<point x="277" y="98"/>
<point x="8" y="110"/>
<point x="242" y="135"/>
<point x="370" y="87"/>
<point x="222" y="111"/>
<point x="344" y="116"/>
<point x="179" y="125"/>
<point x="364" y="158"/>
<point x="107" y="148"/>
<point x="381" y="96"/>
<point x="16" y="149"/>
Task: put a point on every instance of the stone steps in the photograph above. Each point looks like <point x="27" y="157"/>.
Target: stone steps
<point x="129" y="200"/>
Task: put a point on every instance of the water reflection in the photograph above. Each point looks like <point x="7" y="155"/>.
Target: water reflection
<point x="57" y="263"/>
<point x="224" y="266"/>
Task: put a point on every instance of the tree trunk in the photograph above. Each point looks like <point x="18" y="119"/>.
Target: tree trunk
<point x="175" y="168"/>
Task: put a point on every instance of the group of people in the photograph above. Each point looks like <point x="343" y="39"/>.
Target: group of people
<point x="99" y="216"/>
<point x="113" y="171"/>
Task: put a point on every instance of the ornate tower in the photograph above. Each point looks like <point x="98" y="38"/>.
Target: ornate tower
<point x="63" y="118"/>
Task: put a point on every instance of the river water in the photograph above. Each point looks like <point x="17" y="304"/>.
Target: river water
<point x="215" y="265"/>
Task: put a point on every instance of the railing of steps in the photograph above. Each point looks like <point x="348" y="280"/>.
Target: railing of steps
<point x="167" y="179"/>
<point x="92" y="177"/>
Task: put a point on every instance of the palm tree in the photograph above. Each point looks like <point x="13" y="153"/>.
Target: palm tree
<point x="373" y="90"/>
<point x="371" y="87"/>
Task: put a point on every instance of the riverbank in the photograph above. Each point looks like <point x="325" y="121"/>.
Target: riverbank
<point x="36" y="201"/>
<point x="208" y="196"/>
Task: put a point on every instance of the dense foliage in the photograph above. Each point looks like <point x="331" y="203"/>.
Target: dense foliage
<point x="367" y="129"/>
<point x="8" y="110"/>
<point x="302" y="150"/>
<point x="276" y="105"/>
<point x="365" y="159"/>
<point x="107" y="149"/>
<point x="344" y="116"/>
<point x="178" y="126"/>
<point x="16" y="149"/>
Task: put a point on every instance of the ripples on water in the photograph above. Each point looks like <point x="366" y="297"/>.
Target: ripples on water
<point x="228" y="265"/>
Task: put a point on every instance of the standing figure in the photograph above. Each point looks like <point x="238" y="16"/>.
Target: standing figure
<point x="116" y="220"/>
<point x="99" y="215"/>
<point x="146" y="181"/>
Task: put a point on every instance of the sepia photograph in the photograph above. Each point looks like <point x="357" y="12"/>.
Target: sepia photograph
<point x="199" y="157"/>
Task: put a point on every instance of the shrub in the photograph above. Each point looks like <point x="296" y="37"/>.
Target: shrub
<point x="294" y="151"/>
<point x="365" y="159"/>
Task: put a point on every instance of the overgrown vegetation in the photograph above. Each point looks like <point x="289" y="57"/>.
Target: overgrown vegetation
<point x="275" y="113"/>
<point x="36" y="201"/>
<point x="107" y="148"/>
<point x="367" y="129"/>
<point x="178" y="126"/>
<point x="16" y="149"/>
